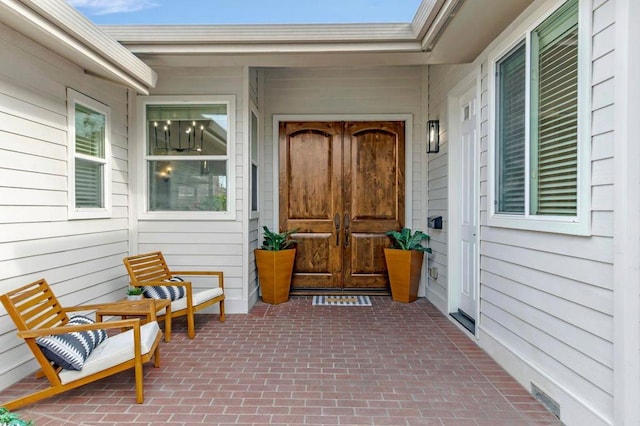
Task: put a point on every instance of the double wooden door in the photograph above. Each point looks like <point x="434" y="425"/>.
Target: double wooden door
<point x="342" y="186"/>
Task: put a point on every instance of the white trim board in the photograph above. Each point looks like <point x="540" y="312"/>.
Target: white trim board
<point x="626" y="261"/>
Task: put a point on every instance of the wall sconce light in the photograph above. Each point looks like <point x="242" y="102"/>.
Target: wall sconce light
<point x="433" y="136"/>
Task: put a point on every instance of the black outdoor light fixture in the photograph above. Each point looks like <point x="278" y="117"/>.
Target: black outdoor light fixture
<point x="433" y="136"/>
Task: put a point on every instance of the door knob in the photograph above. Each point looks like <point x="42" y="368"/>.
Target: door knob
<point x="336" y="222"/>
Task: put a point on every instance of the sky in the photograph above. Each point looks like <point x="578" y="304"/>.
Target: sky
<point x="144" y="12"/>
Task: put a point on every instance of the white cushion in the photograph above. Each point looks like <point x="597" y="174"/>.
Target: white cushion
<point x="113" y="351"/>
<point x="198" y="298"/>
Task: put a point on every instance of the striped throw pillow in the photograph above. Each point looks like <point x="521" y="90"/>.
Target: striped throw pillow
<point x="71" y="350"/>
<point x="165" y="292"/>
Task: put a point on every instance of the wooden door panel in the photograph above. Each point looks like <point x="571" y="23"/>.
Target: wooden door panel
<point x="374" y="175"/>
<point x="374" y="198"/>
<point x="310" y="176"/>
<point x="368" y="267"/>
<point x="310" y="192"/>
<point x="312" y="251"/>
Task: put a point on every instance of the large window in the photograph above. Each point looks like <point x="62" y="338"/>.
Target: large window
<point x="89" y="157"/>
<point x="188" y="157"/>
<point x="537" y="136"/>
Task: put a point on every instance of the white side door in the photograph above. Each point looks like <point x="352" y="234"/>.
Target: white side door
<point x="468" y="217"/>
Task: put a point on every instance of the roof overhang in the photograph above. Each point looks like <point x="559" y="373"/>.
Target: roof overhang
<point x="59" y="27"/>
<point x="442" y="31"/>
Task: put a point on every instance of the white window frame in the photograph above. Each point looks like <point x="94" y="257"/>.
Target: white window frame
<point x="253" y="110"/>
<point x="143" y="208"/>
<point x="74" y="98"/>
<point x="574" y="225"/>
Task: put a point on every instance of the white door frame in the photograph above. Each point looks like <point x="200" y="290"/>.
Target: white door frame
<point x="455" y="266"/>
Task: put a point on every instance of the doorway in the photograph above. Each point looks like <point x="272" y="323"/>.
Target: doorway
<point x="342" y="186"/>
<point x="464" y="203"/>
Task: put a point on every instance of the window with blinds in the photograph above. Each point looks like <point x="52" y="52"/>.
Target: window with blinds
<point x="90" y="129"/>
<point x="548" y="59"/>
<point x="89" y="157"/>
<point x="554" y="114"/>
<point x="511" y="131"/>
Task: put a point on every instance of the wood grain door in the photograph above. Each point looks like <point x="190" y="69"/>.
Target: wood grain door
<point x="342" y="185"/>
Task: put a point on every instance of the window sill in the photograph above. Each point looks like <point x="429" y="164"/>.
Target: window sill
<point x="569" y="226"/>
<point x="188" y="216"/>
<point x="81" y="214"/>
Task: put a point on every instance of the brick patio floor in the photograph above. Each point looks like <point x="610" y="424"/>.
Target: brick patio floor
<point x="297" y="364"/>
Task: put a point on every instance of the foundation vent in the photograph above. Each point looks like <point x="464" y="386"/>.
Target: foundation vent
<point x="545" y="400"/>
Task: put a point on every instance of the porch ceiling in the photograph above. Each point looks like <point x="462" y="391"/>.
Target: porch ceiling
<point x="442" y="31"/>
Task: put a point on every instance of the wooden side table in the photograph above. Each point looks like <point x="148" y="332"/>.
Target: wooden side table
<point x="146" y="308"/>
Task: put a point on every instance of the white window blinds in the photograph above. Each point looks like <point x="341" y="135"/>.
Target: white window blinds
<point x="90" y="127"/>
<point x="511" y="132"/>
<point x="554" y="114"/>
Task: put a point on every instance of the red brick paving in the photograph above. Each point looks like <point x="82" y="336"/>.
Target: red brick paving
<point x="297" y="364"/>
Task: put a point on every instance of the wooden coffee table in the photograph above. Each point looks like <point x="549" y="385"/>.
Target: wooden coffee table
<point x="145" y="308"/>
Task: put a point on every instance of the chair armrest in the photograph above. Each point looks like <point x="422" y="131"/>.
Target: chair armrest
<point x="128" y="323"/>
<point x="164" y="283"/>
<point x="219" y="274"/>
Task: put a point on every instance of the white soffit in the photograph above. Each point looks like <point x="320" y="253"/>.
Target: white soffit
<point x="472" y="25"/>
<point x="442" y="31"/>
<point x="265" y="38"/>
<point x="59" y="27"/>
<point x="277" y="38"/>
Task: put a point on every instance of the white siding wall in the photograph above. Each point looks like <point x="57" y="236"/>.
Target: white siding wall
<point x="348" y="92"/>
<point x="546" y="299"/>
<point x="81" y="259"/>
<point x="202" y="244"/>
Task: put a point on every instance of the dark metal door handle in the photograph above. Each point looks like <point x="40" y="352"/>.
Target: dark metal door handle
<point x="347" y="222"/>
<point x="336" y="222"/>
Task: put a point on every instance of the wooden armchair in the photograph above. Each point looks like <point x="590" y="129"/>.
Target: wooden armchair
<point x="36" y="312"/>
<point x="150" y="269"/>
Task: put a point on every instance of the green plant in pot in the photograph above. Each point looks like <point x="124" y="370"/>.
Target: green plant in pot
<point x="274" y="260"/>
<point x="11" y="419"/>
<point x="404" y="263"/>
<point x="134" y="293"/>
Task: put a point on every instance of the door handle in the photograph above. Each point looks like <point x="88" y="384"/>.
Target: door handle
<point x="336" y="222"/>
<point x="347" y="222"/>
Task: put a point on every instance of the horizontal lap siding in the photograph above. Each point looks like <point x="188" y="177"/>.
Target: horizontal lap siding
<point x="81" y="259"/>
<point x="202" y="244"/>
<point x="345" y="91"/>
<point x="548" y="298"/>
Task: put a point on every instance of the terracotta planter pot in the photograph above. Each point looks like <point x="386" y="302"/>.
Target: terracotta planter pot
<point x="275" y="269"/>
<point x="405" y="268"/>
